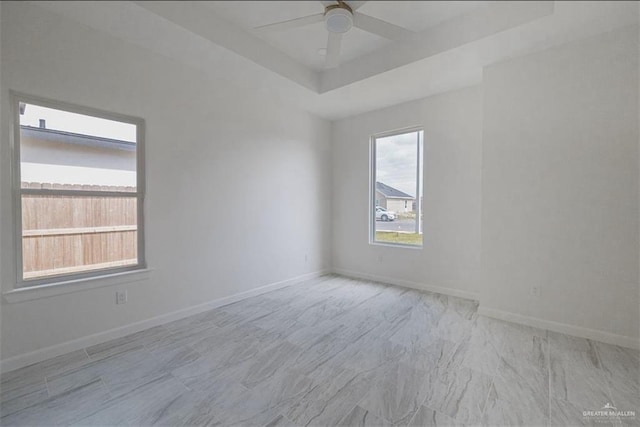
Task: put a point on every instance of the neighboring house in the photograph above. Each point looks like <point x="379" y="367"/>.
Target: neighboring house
<point x="59" y="157"/>
<point x="393" y="199"/>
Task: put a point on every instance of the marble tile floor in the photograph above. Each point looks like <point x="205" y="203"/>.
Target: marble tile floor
<point x="330" y="351"/>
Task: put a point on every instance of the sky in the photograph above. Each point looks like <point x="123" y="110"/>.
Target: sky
<point x="77" y="123"/>
<point x="396" y="161"/>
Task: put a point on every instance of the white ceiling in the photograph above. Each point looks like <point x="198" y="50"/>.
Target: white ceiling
<point x="302" y="44"/>
<point x="455" y="44"/>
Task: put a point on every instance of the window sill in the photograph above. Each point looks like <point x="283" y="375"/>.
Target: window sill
<point x="77" y="285"/>
<point x="396" y="245"/>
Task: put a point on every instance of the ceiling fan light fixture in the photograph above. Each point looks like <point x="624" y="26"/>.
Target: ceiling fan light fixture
<point x="338" y="20"/>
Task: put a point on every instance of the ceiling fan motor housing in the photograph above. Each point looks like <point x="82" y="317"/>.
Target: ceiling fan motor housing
<point x="338" y="18"/>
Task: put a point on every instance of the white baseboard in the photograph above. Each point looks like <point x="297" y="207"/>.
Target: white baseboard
<point x="408" y="284"/>
<point x="592" y="334"/>
<point x="578" y="331"/>
<point x="45" y="353"/>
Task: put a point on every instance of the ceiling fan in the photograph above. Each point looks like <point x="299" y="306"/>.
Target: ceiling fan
<point x="339" y="17"/>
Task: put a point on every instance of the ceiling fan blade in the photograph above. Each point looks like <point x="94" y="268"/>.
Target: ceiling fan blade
<point x="328" y="3"/>
<point x="333" y="50"/>
<point x="380" y="27"/>
<point x="355" y="5"/>
<point x="292" y="23"/>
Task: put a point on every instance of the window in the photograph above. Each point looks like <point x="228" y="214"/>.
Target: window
<point x="79" y="186"/>
<point x="396" y="188"/>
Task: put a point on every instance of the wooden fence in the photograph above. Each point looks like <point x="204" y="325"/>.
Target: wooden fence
<point x="66" y="234"/>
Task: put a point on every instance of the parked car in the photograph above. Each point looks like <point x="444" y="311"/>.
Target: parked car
<point x="384" y="215"/>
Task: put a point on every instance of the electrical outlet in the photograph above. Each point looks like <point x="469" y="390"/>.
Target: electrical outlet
<point x="535" y="291"/>
<point x="121" y="297"/>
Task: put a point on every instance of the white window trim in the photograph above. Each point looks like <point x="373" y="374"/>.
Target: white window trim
<point x="372" y="186"/>
<point x="74" y="278"/>
<point x="76" y="285"/>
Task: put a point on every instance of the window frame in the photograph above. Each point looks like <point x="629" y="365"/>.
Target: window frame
<point x="373" y="179"/>
<point x="16" y="98"/>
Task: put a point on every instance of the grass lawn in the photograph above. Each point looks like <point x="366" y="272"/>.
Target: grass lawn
<point x="395" y="237"/>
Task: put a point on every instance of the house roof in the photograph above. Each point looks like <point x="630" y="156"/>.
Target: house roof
<point x="390" y="192"/>
<point x="76" y="138"/>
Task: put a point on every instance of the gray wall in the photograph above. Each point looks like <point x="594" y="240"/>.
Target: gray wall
<point x="560" y="185"/>
<point x="531" y="181"/>
<point x="207" y="140"/>
<point x="450" y="259"/>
